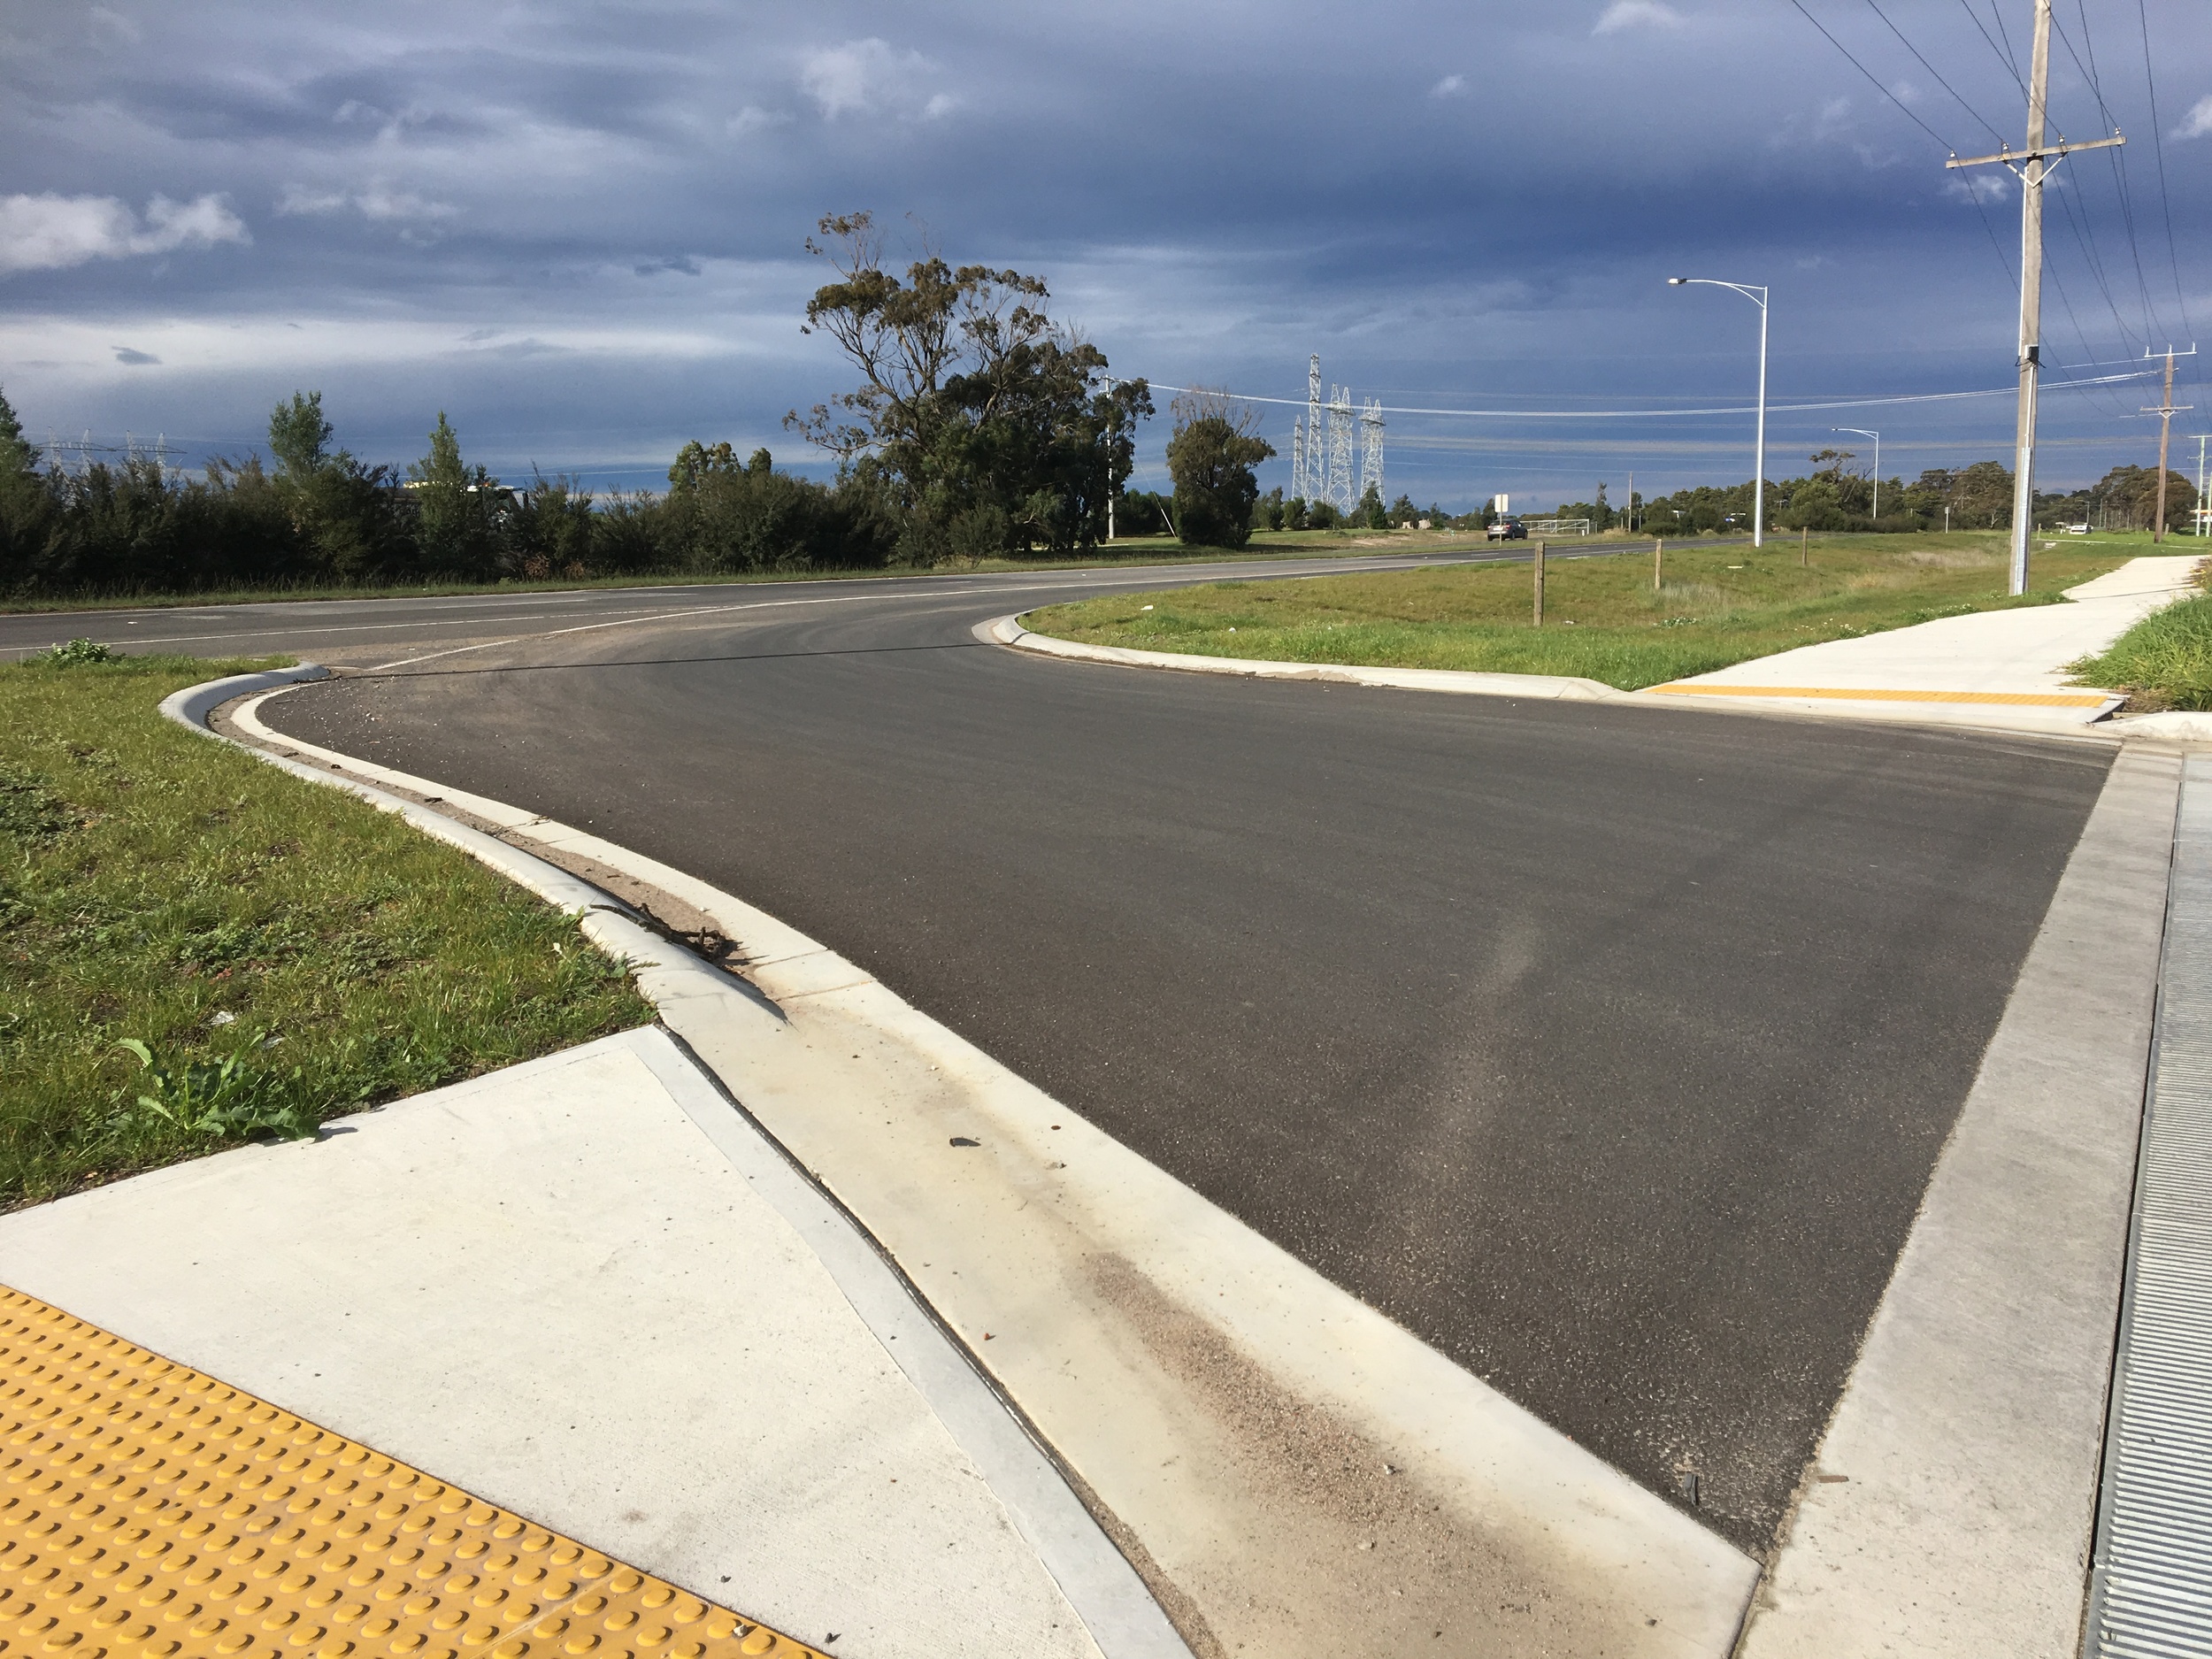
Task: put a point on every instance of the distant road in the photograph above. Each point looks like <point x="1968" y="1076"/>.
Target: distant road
<point x="1607" y="1048"/>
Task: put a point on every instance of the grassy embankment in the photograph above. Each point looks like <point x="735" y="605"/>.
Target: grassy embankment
<point x="1602" y="620"/>
<point x="195" y="949"/>
<point x="1124" y="551"/>
<point x="2165" y="660"/>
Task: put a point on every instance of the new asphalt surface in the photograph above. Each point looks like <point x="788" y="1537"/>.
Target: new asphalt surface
<point x="1608" y="1049"/>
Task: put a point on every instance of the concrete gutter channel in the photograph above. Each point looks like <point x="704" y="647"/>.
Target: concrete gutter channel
<point x="1289" y="1472"/>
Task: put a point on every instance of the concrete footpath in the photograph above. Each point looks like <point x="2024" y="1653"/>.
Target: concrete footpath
<point x="588" y="1291"/>
<point x="1992" y="667"/>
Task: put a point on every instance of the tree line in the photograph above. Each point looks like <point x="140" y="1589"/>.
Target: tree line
<point x="980" y="428"/>
<point x="1839" y="496"/>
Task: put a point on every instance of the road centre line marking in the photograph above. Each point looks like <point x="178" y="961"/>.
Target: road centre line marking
<point x="1051" y="578"/>
<point x="1056" y="580"/>
<point x="2053" y="700"/>
<point x="349" y="627"/>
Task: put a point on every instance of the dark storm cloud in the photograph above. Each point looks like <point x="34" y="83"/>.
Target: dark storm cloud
<point x="1471" y="205"/>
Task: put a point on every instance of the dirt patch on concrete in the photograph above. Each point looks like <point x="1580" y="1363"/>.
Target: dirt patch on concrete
<point x="1334" y="1538"/>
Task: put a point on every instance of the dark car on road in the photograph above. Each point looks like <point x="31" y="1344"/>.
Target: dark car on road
<point x="1506" y="530"/>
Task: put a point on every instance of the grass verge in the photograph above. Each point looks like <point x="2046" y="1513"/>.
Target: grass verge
<point x="1603" y="619"/>
<point x="1126" y="551"/>
<point x="2164" y="661"/>
<point x="195" y="949"/>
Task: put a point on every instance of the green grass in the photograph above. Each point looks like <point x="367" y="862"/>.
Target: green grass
<point x="2164" y="661"/>
<point x="273" y="952"/>
<point x="1602" y="620"/>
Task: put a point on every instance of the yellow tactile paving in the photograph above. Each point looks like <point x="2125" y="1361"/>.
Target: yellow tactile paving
<point x="1861" y="693"/>
<point x="146" y="1509"/>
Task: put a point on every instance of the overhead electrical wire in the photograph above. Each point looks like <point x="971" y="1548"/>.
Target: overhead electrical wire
<point x="1973" y="193"/>
<point x="2091" y="260"/>
<point x="1870" y="76"/>
<point x="2011" y="68"/>
<point x="2158" y="148"/>
<point x="2104" y="111"/>
<point x="1643" y="414"/>
<point x="2011" y="58"/>
<point x="1937" y="74"/>
<point x="2095" y="264"/>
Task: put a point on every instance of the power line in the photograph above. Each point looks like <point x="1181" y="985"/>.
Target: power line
<point x="1870" y="74"/>
<point x="2158" y="148"/>
<point x="1973" y="193"/>
<point x="1639" y="414"/>
<point x="2118" y="162"/>
<point x="2095" y="264"/>
<point x="2011" y="68"/>
<point x="2012" y="58"/>
<point x="2065" y="300"/>
<point x="2075" y="221"/>
<point x="1932" y="70"/>
<point x="2088" y="74"/>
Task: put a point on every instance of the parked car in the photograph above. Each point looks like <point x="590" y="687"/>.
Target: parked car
<point x="1506" y="530"/>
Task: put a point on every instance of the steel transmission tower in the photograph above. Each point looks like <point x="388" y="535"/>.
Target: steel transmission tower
<point x="1339" y="490"/>
<point x="1322" y="465"/>
<point x="1371" y="450"/>
<point x="1313" y="481"/>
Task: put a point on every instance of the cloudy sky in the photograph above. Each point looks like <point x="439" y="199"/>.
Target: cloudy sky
<point x="578" y="228"/>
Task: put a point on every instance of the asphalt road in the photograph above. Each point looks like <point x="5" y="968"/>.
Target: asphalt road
<point x="1608" y="1049"/>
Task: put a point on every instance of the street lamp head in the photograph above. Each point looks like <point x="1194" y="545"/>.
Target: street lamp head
<point x="1677" y="281"/>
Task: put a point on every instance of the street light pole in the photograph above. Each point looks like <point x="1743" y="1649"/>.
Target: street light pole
<point x="1110" y="468"/>
<point x="2200" y="512"/>
<point x="1758" y="296"/>
<point x="1867" y="432"/>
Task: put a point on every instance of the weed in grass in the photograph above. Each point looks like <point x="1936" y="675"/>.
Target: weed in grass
<point x="72" y="652"/>
<point x="195" y="949"/>
<point x="228" y="1101"/>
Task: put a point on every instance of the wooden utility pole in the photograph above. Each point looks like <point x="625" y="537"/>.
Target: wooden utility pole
<point x="2165" y="412"/>
<point x="1658" y="557"/>
<point x="2033" y="164"/>
<point x="1537" y="565"/>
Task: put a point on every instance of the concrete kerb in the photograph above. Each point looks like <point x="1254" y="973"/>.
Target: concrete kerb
<point x="1291" y="1472"/>
<point x="1948" y="1512"/>
<point x="1099" y="1583"/>
<point x="1009" y="632"/>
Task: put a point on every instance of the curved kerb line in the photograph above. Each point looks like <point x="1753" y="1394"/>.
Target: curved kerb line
<point x="1624" y="1569"/>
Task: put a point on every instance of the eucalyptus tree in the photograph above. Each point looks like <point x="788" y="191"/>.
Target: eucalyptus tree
<point x="989" y="421"/>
